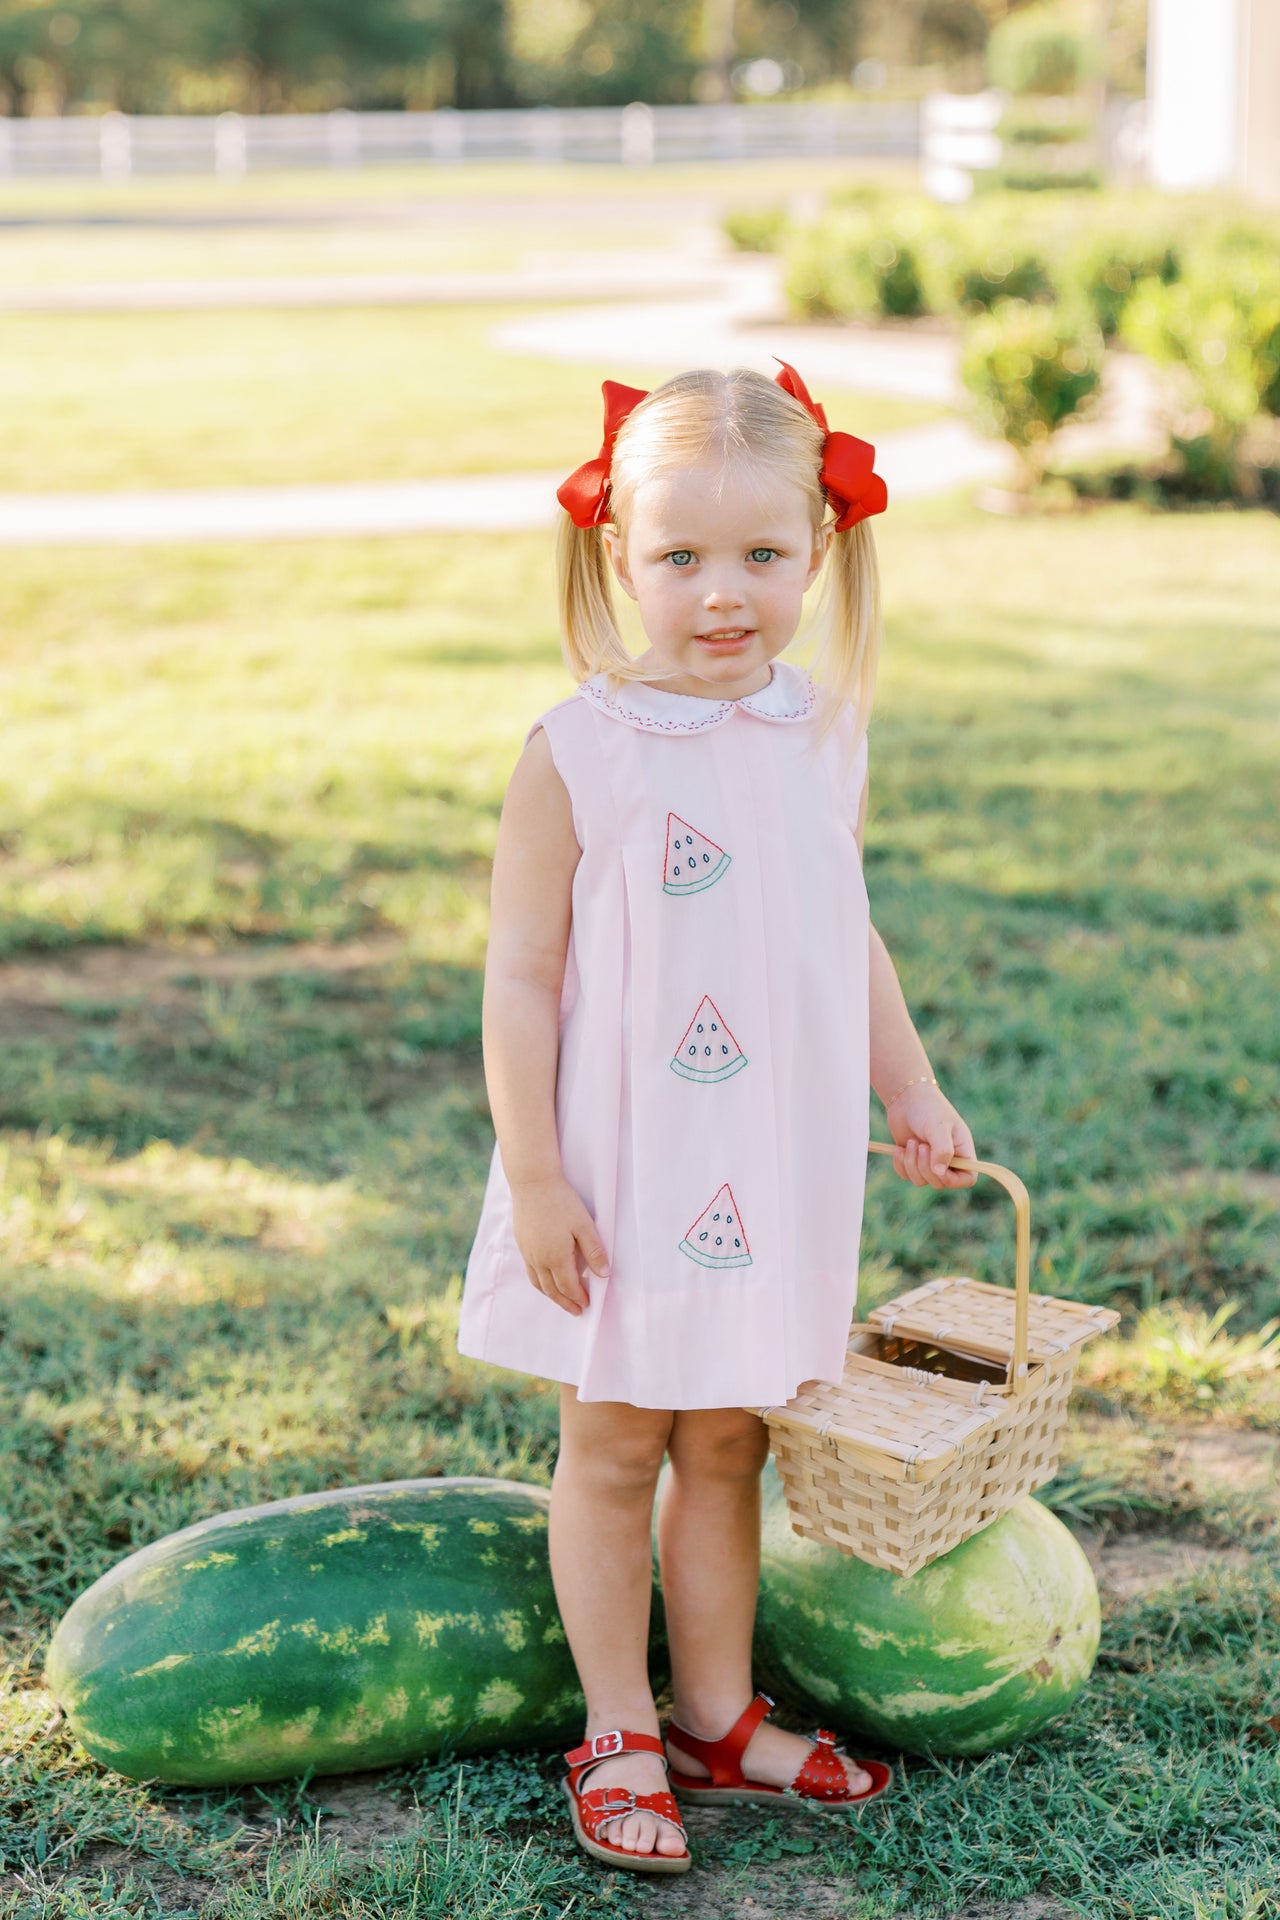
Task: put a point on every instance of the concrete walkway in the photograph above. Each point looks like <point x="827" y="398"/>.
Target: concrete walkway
<point x="918" y="461"/>
<point x="745" y="326"/>
<point x="738" y="324"/>
<point x="602" y="279"/>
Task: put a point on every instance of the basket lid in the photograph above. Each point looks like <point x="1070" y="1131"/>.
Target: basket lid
<point x="972" y="1317"/>
<point x="907" y="1426"/>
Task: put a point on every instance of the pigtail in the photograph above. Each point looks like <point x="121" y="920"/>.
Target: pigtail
<point x="590" y="638"/>
<point x="690" y="418"/>
<point x="589" y="635"/>
<point x="848" y="652"/>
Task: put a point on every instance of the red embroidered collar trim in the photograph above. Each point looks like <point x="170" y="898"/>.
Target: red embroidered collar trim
<point x="790" y="695"/>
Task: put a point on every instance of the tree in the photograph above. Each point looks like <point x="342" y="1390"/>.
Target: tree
<point x="605" y="52"/>
<point x="259" y="55"/>
<point x="351" y="49"/>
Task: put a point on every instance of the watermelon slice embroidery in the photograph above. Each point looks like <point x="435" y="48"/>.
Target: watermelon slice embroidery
<point x="692" y="861"/>
<point x="708" y="1051"/>
<point x="717" y="1237"/>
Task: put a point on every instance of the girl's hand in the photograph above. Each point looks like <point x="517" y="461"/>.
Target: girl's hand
<point x="928" y="1131"/>
<point x="555" y="1233"/>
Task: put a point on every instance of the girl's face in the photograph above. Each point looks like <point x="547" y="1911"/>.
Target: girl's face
<point x="718" y="560"/>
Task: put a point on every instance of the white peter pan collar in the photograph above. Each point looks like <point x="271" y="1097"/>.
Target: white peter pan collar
<point x="789" y="695"/>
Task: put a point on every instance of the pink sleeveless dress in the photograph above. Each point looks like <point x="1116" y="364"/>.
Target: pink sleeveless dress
<point x="712" y="1092"/>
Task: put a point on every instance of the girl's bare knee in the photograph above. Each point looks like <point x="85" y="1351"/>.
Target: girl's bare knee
<point x="614" y="1447"/>
<point x="723" y="1443"/>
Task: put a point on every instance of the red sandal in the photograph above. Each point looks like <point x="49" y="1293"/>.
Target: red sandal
<point x="821" y="1780"/>
<point x="595" y="1810"/>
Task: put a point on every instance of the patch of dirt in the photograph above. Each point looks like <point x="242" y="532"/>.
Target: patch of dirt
<point x="1137" y="1563"/>
<point x="153" y="973"/>
<point x="175" y="1892"/>
<point x="1258" y="1186"/>
<point x="358" y="1811"/>
<point x="1244" y="1461"/>
<point x="1036" y="1906"/>
<point x="717" y="1890"/>
<point x="1198" y="1457"/>
<point x="796" y="1895"/>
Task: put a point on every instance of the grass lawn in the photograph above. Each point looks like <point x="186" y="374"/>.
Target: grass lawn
<point x="246" y="808"/>
<point x="195" y="399"/>
<point x="217" y="399"/>
<point x="386" y="220"/>
<point x="425" y="186"/>
<point x="441" y="240"/>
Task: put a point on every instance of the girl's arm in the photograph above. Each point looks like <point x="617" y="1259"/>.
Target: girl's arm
<point x="533" y="867"/>
<point x="926" y="1127"/>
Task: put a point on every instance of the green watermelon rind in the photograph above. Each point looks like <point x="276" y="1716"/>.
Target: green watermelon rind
<point x="715" y="1259"/>
<point x="980" y="1649"/>
<point x="335" y="1631"/>
<point x="703" y="879"/>
<point x="709" y="1074"/>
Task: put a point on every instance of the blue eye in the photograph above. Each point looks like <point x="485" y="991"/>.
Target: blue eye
<point x="681" y="557"/>
<point x="762" y="553"/>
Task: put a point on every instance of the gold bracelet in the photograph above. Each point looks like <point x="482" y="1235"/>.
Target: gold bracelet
<point x="922" y="1080"/>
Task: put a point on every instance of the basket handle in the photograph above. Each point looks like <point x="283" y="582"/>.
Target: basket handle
<point x="1022" y="1281"/>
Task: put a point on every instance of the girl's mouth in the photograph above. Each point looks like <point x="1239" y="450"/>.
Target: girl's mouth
<point x="726" y="639"/>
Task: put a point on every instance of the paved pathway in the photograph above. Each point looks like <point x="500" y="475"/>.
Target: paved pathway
<point x="917" y="461"/>
<point x="736" y="325"/>
<point x="744" y="326"/>
<point x="601" y="279"/>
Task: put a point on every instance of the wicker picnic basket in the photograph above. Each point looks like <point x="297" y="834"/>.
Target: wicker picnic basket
<point x="952" y="1406"/>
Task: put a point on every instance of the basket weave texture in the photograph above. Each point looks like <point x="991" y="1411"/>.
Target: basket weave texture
<point x="952" y="1405"/>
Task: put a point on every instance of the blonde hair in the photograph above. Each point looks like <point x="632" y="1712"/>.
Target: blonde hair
<point x="687" y="420"/>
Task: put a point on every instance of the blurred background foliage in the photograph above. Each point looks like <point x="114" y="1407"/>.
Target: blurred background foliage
<point x="1042" y="285"/>
<point x="148" y="56"/>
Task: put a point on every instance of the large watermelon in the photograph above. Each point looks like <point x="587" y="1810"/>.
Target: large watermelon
<point x="340" y="1630"/>
<point x="976" y="1651"/>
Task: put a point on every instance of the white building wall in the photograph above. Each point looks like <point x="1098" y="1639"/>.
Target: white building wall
<point x="1258" y="133"/>
<point x="1192" y="79"/>
<point x="1213" y="95"/>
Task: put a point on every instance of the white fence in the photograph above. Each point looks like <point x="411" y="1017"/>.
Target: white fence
<point x="958" y="137"/>
<point x="116" y="145"/>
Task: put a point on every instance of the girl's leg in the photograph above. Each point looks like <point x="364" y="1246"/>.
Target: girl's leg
<point x="602" y="1565"/>
<point x="709" y="1545"/>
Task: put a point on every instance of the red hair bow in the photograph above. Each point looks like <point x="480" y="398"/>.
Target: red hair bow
<point x="585" y="494"/>
<point x="853" y="488"/>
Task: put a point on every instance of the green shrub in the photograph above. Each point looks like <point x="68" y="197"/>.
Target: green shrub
<point x="1217" y="330"/>
<point x="1048" y="143"/>
<point x="1036" y="50"/>
<point x="902" y="257"/>
<point x="826" y="276"/>
<point x="999" y="254"/>
<point x="863" y="194"/>
<point x="1018" y="128"/>
<point x="1104" y="265"/>
<point x="877" y="254"/>
<point x="756" y="229"/>
<point x="1050" y="169"/>
<point x="1250" y="267"/>
<point x="1030" y="366"/>
<point x="861" y="265"/>
<point x="1179" y="1355"/>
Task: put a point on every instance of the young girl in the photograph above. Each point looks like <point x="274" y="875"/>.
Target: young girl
<point x="684" y="1007"/>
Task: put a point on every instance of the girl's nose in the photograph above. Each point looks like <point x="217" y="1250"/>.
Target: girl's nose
<point x="725" y="594"/>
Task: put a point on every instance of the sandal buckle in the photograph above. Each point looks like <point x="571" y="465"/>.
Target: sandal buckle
<point x="617" y="1800"/>
<point x="605" y="1744"/>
